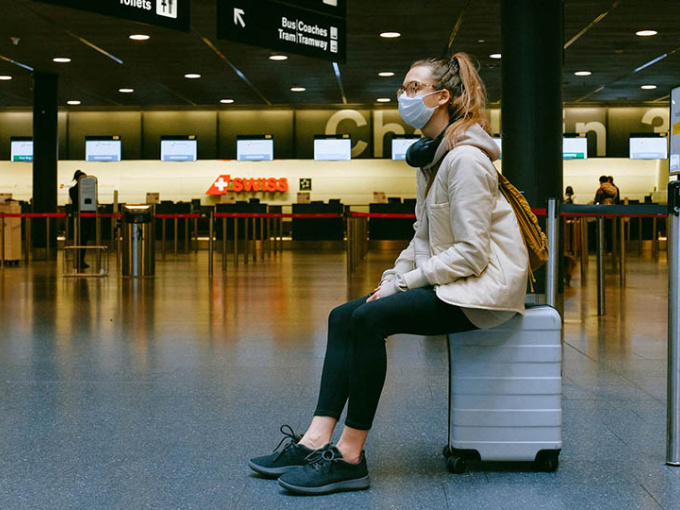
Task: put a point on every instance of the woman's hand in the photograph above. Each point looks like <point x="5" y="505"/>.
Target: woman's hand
<point x="374" y="295"/>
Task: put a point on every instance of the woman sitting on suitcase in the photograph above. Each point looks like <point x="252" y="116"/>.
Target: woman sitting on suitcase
<point x="465" y="268"/>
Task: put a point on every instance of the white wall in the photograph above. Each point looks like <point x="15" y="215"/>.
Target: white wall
<point x="351" y="181"/>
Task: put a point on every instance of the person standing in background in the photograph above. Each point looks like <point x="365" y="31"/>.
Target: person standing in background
<point x="569" y="197"/>
<point x="617" y="199"/>
<point x="86" y="225"/>
<point x="606" y="194"/>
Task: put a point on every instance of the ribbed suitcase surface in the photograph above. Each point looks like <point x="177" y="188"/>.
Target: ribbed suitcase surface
<point x="506" y="388"/>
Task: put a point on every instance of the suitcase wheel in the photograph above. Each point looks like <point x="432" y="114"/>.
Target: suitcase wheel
<point x="547" y="461"/>
<point x="446" y="452"/>
<point x="456" y="464"/>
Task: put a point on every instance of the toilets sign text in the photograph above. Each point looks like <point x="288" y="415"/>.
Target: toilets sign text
<point x="165" y="13"/>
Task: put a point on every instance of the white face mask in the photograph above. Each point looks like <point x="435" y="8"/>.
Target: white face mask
<point x="414" y="111"/>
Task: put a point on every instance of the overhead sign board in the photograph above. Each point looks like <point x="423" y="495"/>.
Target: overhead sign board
<point x="284" y="28"/>
<point x="164" y="13"/>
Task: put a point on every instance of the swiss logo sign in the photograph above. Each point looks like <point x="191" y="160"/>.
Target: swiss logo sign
<point x="225" y="183"/>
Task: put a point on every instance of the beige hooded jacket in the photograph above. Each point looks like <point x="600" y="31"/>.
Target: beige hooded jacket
<point x="467" y="242"/>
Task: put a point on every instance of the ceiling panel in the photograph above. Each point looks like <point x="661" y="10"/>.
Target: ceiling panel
<point x="155" y="69"/>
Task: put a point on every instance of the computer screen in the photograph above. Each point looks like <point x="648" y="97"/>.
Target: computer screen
<point x="675" y="131"/>
<point x="332" y="148"/>
<point x="179" y="148"/>
<point x="648" y="146"/>
<point x="400" y="145"/>
<point x="255" y="148"/>
<point x="22" y="149"/>
<point x="574" y="147"/>
<point x="103" y="148"/>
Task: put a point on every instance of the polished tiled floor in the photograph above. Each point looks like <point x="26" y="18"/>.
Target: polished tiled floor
<point x="153" y="394"/>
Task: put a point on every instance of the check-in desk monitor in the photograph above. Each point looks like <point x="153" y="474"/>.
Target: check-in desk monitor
<point x="332" y="147"/>
<point x="103" y="148"/>
<point x="255" y="148"/>
<point x="574" y="147"/>
<point x="648" y="146"/>
<point x="179" y="148"/>
<point x="400" y="144"/>
<point x="675" y="131"/>
<point x="22" y="149"/>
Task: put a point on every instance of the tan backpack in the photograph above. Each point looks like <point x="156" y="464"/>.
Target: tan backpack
<point x="534" y="238"/>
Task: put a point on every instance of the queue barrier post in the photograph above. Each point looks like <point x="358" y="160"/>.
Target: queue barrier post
<point x="622" y="252"/>
<point x="552" y="231"/>
<point x="600" y="267"/>
<point x="673" y="393"/>
<point x="2" y="243"/>
<point x="584" y="250"/>
<point x="27" y="240"/>
<point x="174" y="238"/>
<point x="163" y="230"/>
<point x="211" y="243"/>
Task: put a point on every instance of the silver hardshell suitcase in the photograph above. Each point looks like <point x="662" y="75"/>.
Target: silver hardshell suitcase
<point x="505" y="392"/>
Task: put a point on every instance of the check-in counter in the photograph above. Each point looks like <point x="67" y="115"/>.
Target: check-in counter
<point x="318" y="229"/>
<point x="383" y="229"/>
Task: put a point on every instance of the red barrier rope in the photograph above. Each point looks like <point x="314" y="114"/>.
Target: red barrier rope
<point x="33" y="215"/>
<point x="277" y="215"/>
<point x="382" y="215"/>
<point x="100" y="215"/>
<point x="170" y="216"/>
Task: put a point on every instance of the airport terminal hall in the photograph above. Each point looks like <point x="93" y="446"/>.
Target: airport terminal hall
<point x="339" y="254"/>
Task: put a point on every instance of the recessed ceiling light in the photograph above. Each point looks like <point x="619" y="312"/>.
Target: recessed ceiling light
<point x="297" y="89"/>
<point x="126" y="91"/>
<point x="61" y="60"/>
<point x="383" y="100"/>
<point x="192" y="76"/>
<point x="140" y="37"/>
<point x="5" y="78"/>
<point x="386" y="74"/>
<point x="648" y="87"/>
<point x="583" y="73"/>
<point x="481" y="41"/>
<point x="646" y="33"/>
<point x="390" y="35"/>
<point x="73" y="103"/>
<point x="226" y="101"/>
<point x="278" y="57"/>
<point x="495" y="56"/>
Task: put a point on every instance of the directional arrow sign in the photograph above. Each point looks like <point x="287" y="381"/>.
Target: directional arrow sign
<point x="238" y="17"/>
<point x="284" y="28"/>
<point x="165" y="13"/>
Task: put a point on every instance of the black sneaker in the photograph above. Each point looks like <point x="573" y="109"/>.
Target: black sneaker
<point x="327" y="472"/>
<point x="291" y="456"/>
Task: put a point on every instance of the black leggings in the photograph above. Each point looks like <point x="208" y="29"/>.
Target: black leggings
<point x="356" y="358"/>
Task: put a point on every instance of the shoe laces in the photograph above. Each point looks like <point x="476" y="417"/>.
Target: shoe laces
<point x="324" y="457"/>
<point x="288" y="435"/>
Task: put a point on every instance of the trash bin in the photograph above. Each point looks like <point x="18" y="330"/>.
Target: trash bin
<point x="138" y="241"/>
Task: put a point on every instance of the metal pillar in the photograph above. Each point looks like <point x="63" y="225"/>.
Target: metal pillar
<point x="673" y="395"/>
<point x="45" y="156"/>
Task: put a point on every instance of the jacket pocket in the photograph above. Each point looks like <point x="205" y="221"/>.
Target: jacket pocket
<point x="439" y="219"/>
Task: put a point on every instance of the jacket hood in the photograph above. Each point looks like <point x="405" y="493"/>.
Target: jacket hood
<point x="475" y="136"/>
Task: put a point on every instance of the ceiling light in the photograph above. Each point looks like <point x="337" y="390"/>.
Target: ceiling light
<point x="278" y="57"/>
<point x="140" y="37"/>
<point x="226" y="101"/>
<point x="646" y="33"/>
<point x="583" y="73"/>
<point x="126" y="91"/>
<point x="192" y="76"/>
<point x="5" y="78"/>
<point x="383" y="100"/>
<point x="648" y="87"/>
<point x="481" y="41"/>
<point x="386" y="74"/>
<point x="73" y="103"/>
<point x="297" y="89"/>
<point x="390" y="35"/>
<point x="495" y="56"/>
<point x="61" y="60"/>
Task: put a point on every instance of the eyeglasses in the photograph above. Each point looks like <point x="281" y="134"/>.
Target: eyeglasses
<point x="412" y="88"/>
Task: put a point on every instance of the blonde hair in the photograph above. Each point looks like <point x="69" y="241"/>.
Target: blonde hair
<point x="459" y="76"/>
